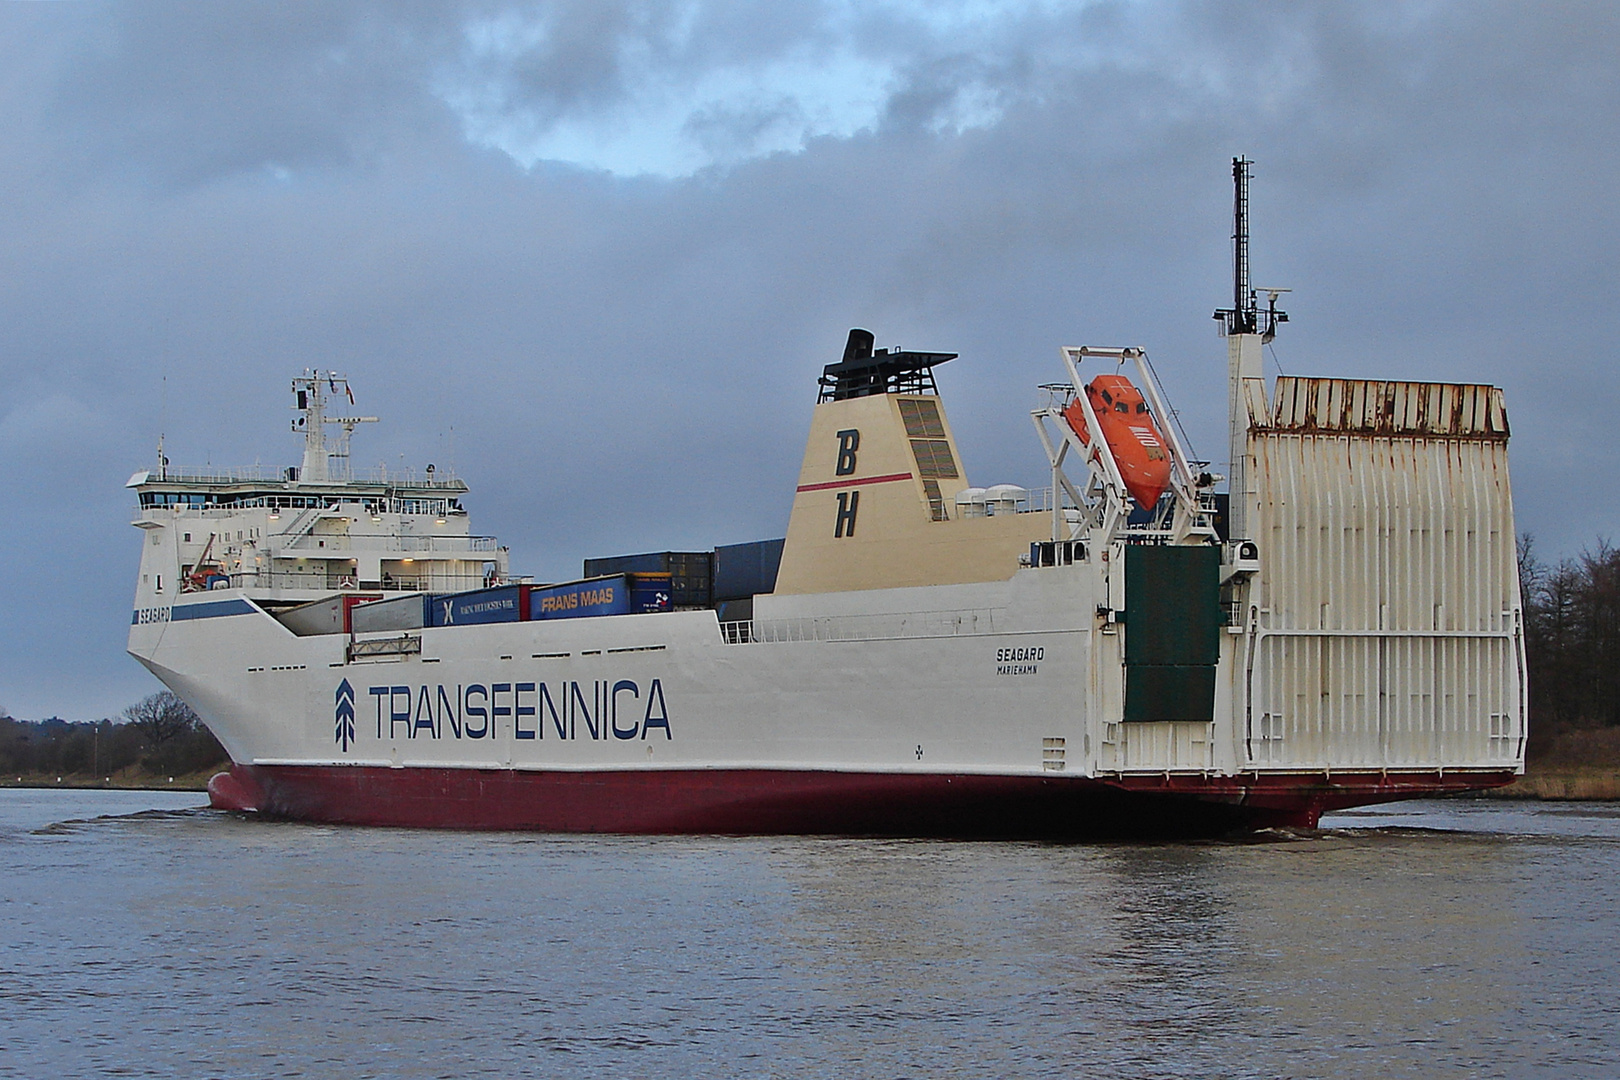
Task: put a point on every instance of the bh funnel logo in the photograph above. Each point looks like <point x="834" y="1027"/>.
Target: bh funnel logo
<point x="345" y="715"/>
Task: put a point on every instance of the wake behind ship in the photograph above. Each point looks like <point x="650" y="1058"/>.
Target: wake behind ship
<point x="1131" y="651"/>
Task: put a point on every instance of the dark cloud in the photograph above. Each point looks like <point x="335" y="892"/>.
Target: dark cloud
<point x="203" y="199"/>
<point x="188" y="92"/>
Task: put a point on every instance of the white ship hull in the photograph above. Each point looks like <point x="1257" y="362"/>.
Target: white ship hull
<point x="957" y="710"/>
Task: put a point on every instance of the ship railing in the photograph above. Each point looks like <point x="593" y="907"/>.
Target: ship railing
<point x="434" y="476"/>
<point x="444" y="543"/>
<point x="265" y="579"/>
<point x="916" y="624"/>
<point x="440" y="479"/>
<point x="320" y="581"/>
<point x="1039" y="501"/>
<point x="210" y="474"/>
<point x="392" y="542"/>
<point x="431" y="583"/>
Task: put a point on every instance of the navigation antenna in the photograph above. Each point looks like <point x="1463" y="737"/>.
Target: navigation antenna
<point x="1244" y="316"/>
<point x="1247" y="330"/>
<point x="309" y="390"/>
<point x="163" y="422"/>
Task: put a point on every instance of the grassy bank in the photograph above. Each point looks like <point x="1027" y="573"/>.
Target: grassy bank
<point x="1562" y="784"/>
<point x="131" y="779"/>
<point x="1568" y="763"/>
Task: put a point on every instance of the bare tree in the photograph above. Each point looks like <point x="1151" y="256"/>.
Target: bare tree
<point x="1532" y="574"/>
<point x="161" y="716"/>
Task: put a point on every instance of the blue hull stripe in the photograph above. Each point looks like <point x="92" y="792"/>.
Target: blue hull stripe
<point x="212" y="609"/>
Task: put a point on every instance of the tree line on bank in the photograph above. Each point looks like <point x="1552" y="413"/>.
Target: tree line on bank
<point x="1572" y="642"/>
<point x="161" y="736"/>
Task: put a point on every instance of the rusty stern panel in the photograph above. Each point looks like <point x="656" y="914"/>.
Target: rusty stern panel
<point x="1390" y="409"/>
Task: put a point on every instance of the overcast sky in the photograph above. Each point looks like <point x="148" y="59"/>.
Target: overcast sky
<point x="593" y="255"/>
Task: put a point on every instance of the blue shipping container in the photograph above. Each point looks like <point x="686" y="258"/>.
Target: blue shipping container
<point x="652" y="562"/>
<point x="505" y="604"/>
<point x="650" y="592"/>
<point x="742" y="570"/>
<point x="579" y="599"/>
<point x="690" y="572"/>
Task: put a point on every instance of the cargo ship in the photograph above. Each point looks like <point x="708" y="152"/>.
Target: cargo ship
<point x="1144" y="647"/>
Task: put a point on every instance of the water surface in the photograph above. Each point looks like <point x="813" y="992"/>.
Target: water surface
<point x="144" y="935"/>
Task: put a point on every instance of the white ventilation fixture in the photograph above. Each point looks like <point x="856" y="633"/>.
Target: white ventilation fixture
<point x="970" y="503"/>
<point x="1004" y="498"/>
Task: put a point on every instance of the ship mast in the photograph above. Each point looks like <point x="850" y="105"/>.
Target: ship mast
<point x="309" y="391"/>
<point x="1247" y="331"/>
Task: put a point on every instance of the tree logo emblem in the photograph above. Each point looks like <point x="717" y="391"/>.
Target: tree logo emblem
<point x="345" y="715"/>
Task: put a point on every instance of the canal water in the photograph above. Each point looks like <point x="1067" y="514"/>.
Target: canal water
<point x="144" y="935"/>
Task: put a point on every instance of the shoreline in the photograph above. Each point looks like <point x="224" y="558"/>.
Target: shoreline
<point x="1579" y="784"/>
<point x="194" y="781"/>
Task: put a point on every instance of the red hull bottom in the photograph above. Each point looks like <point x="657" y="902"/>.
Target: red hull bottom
<point x="765" y="801"/>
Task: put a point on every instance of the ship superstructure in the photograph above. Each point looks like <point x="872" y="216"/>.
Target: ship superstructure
<point x="1131" y="650"/>
<point x="302" y="532"/>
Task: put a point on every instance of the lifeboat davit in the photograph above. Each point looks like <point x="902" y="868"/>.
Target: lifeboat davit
<point x="1128" y="427"/>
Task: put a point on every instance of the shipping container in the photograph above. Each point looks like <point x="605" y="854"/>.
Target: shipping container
<point x="509" y="603"/>
<point x="650" y="592"/>
<point x="581" y="599"/>
<point x="653" y="562"/>
<point x="400" y="613"/>
<point x="744" y="570"/>
<point x="328" y="616"/>
<point x="690" y="572"/>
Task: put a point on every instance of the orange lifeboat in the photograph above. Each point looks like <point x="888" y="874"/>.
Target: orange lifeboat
<point x="1128" y="427"/>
